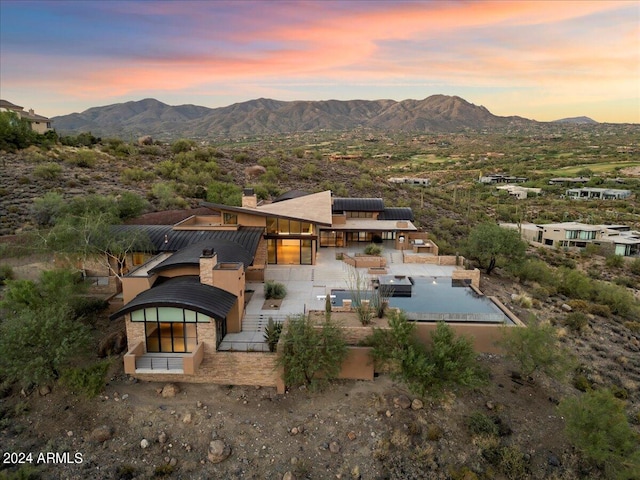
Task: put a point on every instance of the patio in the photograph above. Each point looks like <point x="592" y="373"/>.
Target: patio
<point x="307" y="286"/>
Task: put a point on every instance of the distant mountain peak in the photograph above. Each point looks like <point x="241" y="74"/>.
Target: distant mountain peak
<point x="436" y="114"/>
<point x="577" y="120"/>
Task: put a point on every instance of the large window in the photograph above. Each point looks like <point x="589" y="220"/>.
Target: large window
<point x="289" y="251"/>
<point x="170" y="329"/>
<point x="282" y="226"/>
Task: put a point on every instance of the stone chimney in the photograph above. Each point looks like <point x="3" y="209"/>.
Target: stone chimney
<point x="249" y="198"/>
<point x="31" y="112"/>
<point x="208" y="261"/>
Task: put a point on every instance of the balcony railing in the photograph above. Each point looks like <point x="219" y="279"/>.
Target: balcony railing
<point x="136" y="361"/>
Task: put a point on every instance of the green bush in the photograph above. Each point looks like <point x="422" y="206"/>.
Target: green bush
<point x="451" y="360"/>
<point x="535" y="348"/>
<point x="48" y="171"/>
<point x="373" y="249"/>
<point x="6" y="273"/>
<point x="89" y="380"/>
<point x="614" y="261"/>
<point x="576" y="321"/>
<point x="482" y="424"/>
<point x="634" y="267"/>
<point x="574" y="284"/>
<point x="619" y="300"/>
<point x="83" y="158"/>
<point x="311" y="355"/>
<point x="274" y="289"/>
<point x="182" y="145"/>
<point x="597" y="425"/>
<point x="135" y="175"/>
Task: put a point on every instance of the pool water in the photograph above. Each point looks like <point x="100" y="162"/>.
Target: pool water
<point x="438" y="298"/>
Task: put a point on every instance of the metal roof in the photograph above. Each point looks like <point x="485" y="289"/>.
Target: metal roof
<point x="396" y="213"/>
<point x="358" y="205"/>
<point x="183" y="292"/>
<point x="226" y="251"/>
<point x="289" y="195"/>
<point x="165" y="239"/>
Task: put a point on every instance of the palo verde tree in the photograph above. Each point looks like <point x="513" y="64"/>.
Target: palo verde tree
<point x="311" y="354"/>
<point x="488" y="243"/>
<point x="41" y="332"/>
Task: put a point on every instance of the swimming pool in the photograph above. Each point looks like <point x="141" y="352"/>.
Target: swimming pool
<point x="438" y="298"/>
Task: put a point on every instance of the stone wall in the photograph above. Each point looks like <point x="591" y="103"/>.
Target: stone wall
<point x="364" y="261"/>
<point x="473" y="275"/>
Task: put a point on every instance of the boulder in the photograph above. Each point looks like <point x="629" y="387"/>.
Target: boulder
<point x="145" y="140"/>
<point x="170" y="390"/>
<point x="218" y="451"/>
<point x="101" y="434"/>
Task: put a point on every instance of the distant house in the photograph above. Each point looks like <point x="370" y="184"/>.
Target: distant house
<point x="501" y="178"/>
<point x="38" y="123"/>
<point x="588" y="193"/>
<point x="410" y="180"/>
<point x="518" y="191"/>
<point x="568" y="180"/>
<point x="620" y="239"/>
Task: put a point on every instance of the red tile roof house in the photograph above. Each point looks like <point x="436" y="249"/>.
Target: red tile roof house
<point x="182" y="302"/>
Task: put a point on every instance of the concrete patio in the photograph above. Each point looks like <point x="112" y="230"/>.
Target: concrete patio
<point x="307" y="286"/>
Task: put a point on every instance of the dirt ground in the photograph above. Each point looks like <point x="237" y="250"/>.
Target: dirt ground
<point x="350" y="430"/>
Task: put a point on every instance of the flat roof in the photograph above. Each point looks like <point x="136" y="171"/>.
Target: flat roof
<point x="369" y="224"/>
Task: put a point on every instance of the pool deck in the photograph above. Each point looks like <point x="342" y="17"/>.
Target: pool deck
<point x="307" y="286"/>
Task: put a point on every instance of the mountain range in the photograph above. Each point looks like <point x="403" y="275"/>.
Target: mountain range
<point x="437" y="114"/>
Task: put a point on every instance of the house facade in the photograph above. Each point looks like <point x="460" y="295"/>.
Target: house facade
<point x="37" y="122"/>
<point x="180" y="301"/>
<point x="619" y="239"/>
<point x="589" y="193"/>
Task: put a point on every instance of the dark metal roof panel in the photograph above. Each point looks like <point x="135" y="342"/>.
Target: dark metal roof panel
<point x="226" y="251"/>
<point x="358" y="205"/>
<point x="165" y="239"/>
<point x="396" y="213"/>
<point x="183" y="292"/>
<point x="289" y="195"/>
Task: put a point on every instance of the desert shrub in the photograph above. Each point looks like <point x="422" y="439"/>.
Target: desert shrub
<point x="597" y="425"/>
<point x="600" y="310"/>
<point x="130" y="205"/>
<point x="523" y="300"/>
<point x="274" y="289"/>
<point x="272" y="333"/>
<point x="479" y="423"/>
<point x="6" y="273"/>
<point x="614" y="261"/>
<point x="634" y="326"/>
<point x="541" y="293"/>
<point x="574" y="284"/>
<point x="48" y="171"/>
<point x="136" y="174"/>
<point x="166" y="196"/>
<point x="373" y="249"/>
<point x="581" y="382"/>
<point x="25" y="472"/>
<point x="619" y="300"/>
<point x="513" y="463"/>
<point x="89" y="380"/>
<point x="224" y="193"/>
<point x="182" y="145"/>
<point x="534" y="271"/>
<point x="311" y="356"/>
<point x="151" y="150"/>
<point x="451" y="360"/>
<point x="83" y="158"/>
<point x="634" y="267"/>
<point x="167" y="169"/>
<point x="624" y="281"/>
<point x="535" y="348"/>
<point x="576" y="321"/>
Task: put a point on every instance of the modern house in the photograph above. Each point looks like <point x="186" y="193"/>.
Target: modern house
<point x="588" y="193"/>
<point x="501" y="178"/>
<point x="38" y="123"/>
<point x="183" y="302"/>
<point x="619" y="239"/>
<point x="518" y="191"/>
<point x="568" y="180"/>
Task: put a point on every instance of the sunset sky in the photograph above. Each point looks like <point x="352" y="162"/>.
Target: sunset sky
<point x="540" y="60"/>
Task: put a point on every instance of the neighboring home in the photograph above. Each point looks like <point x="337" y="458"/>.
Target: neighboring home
<point x="620" y="239"/>
<point x="588" y="193"/>
<point x="518" y="191"/>
<point x="501" y="178"/>
<point x="38" y="123"/>
<point x="410" y="180"/>
<point x="568" y="180"/>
